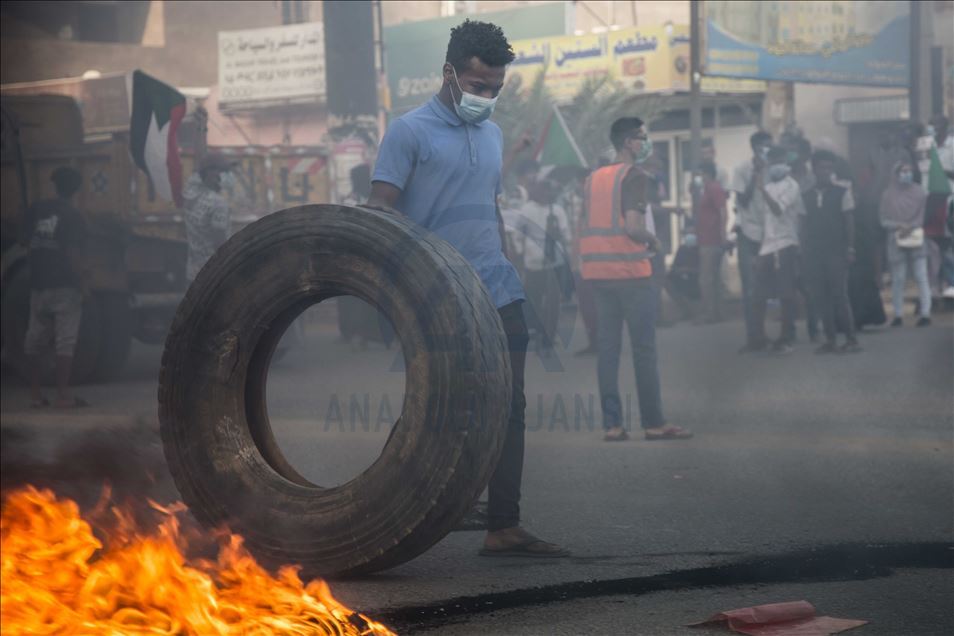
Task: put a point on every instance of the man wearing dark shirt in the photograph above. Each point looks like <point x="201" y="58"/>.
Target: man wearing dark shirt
<point x="617" y="244"/>
<point x="828" y="241"/>
<point x="56" y="239"/>
<point x="710" y="235"/>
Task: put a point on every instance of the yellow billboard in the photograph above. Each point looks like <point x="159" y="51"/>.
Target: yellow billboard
<point x="641" y="60"/>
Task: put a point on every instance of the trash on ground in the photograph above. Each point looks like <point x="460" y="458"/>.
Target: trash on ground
<point x="794" y="618"/>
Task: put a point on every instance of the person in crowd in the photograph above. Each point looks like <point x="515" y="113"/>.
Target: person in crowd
<point x="798" y="156"/>
<point x="944" y="138"/>
<point x="682" y="279"/>
<point x="902" y="216"/>
<point x="751" y="209"/>
<point x="616" y="249"/>
<point x="939" y="187"/>
<point x="778" y="254"/>
<point x="911" y="134"/>
<point x="524" y="173"/>
<point x="585" y="297"/>
<point x="658" y="224"/>
<point x="440" y="164"/>
<point x="359" y="322"/>
<point x="56" y="238"/>
<point x="827" y="251"/>
<point x="710" y="226"/>
<point x="543" y="233"/>
<point x="799" y="152"/>
<point x="207" y="213"/>
<point x="708" y="153"/>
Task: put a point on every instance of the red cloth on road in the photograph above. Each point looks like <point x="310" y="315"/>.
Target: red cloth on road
<point x="794" y="618"/>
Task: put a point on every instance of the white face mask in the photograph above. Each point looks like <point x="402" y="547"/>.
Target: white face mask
<point x="473" y="109"/>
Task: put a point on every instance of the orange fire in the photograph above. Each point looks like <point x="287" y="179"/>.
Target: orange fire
<point x="58" y="578"/>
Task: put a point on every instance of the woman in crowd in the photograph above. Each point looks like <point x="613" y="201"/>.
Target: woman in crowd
<point x="902" y="216"/>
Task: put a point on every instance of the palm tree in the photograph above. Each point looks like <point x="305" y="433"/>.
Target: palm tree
<point x="588" y="115"/>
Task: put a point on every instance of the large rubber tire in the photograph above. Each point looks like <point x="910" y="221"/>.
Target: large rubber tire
<point x="16" y="319"/>
<point x="445" y="444"/>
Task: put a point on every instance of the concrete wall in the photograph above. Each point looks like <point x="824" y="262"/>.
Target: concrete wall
<point x="179" y="44"/>
<point x="815" y="110"/>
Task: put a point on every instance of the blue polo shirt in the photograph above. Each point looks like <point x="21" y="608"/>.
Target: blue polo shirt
<point x="449" y="176"/>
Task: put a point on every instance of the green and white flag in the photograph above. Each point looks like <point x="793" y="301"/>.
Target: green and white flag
<point x="156" y="111"/>
<point x="557" y="146"/>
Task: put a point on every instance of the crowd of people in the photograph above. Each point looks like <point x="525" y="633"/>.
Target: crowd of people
<point x="812" y="233"/>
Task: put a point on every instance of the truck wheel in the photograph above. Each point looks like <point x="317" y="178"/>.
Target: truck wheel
<point x="117" y="336"/>
<point x="212" y="408"/>
<point x="16" y="319"/>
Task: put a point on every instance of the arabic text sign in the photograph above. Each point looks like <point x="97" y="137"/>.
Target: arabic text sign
<point x="639" y="59"/>
<point x="276" y="63"/>
<point x="680" y="50"/>
<point x="831" y="41"/>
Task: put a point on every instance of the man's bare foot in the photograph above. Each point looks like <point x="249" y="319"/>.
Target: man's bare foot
<point x="518" y="542"/>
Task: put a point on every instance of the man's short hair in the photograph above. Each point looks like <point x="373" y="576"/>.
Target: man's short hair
<point x="823" y="155"/>
<point x="624" y="128"/>
<point x="482" y="40"/>
<point x="66" y="180"/>
<point x="777" y="154"/>
<point x="708" y="168"/>
<point x="760" y="138"/>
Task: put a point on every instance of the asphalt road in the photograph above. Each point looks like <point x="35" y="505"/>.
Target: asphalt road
<point x="792" y="454"/>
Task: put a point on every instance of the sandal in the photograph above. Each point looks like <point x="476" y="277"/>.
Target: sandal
<point x="622" y="436"/>
<point x="669" y="432"/>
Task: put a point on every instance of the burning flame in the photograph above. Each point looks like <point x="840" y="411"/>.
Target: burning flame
<point x="57" y="578"/>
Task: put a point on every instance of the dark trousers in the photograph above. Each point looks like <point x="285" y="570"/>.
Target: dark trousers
<point x="710" y="281"/>
<point x="827" y="276"/>
<point x="587" y="303"/>
<point x="776" y="272"/>
<point x="632" y="301"/>
<point x="503" y="496"/>
<point x="543" y="303"/>
<point x="748" y="257"/>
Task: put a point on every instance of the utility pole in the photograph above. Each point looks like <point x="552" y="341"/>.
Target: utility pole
<point x="914" y="73"/>
<point x="352" y="87"/>
<point x="695" y="77"/>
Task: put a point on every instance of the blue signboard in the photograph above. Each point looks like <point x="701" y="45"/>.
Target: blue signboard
<point x="834" y="42"/>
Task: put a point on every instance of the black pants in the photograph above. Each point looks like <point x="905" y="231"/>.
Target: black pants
<point x="776" y="271"/>
<point x="503" y="505"/>
<point x="748" y="261"/>
<point x="828" y="285"/>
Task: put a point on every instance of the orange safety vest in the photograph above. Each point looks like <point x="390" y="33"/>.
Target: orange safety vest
<point x="606" y="251"/>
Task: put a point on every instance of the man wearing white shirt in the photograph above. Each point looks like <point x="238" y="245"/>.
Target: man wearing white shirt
<point x="750" y="212"/>
<point x="542" y="233"/>
<point x="778" y="253"/>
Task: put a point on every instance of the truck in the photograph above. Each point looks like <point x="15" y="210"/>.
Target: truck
<point x="136" y="244"/>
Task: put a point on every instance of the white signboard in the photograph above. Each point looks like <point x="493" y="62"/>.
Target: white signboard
<point x="272" y="64"/>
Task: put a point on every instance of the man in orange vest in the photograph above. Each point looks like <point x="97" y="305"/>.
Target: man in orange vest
<point x="617" y="243"/>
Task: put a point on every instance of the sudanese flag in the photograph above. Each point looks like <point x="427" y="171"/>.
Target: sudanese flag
<point x="157" y="110"/>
